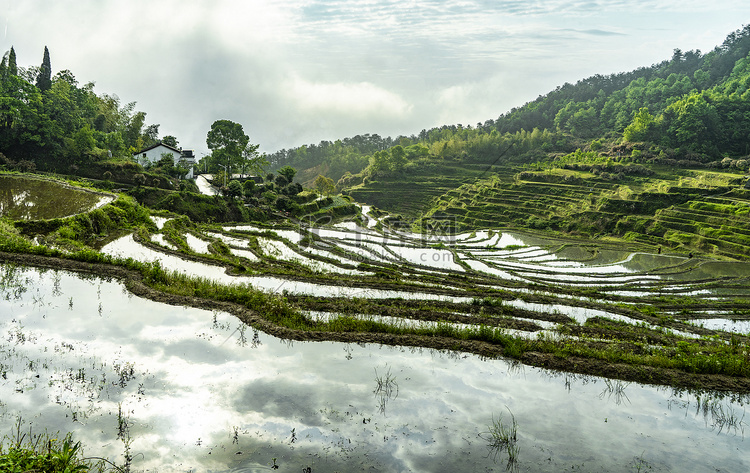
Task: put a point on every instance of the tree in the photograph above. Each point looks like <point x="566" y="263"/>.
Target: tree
<point x="398" y="158"/>
<point x="292" y="189"/>
<point x="81" y="146"/>
<point x="234" y="189"/>
<point x="584" y="123"/>
<point x="417" y="151"/>
<point x="25" y="130"/>
<point x="44" y="78"/>
<point x="4" y="67"/>
<point x="252" y="161"/>
<point x="166" y="161"/>
<point x="288" y="173"/>
<point x="61" y="107"/>
<point x="12" y="66"/>
<point x="324" y="185"/>
<point x="170" y="140"/>
<point x="227" y="141"/>
<point x="693" y="122"/>
<point x="379" y="162"/>
<point x="249" y="187"/>
<point x="150" y="135"/>
<point x="641" y="128"/>
<point x="132" y="130"/>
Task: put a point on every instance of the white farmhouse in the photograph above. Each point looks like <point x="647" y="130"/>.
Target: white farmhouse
<point x="154" y="153"/>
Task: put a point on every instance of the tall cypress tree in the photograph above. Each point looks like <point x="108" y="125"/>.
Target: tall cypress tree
<point x="44" y="78"/>
<point x="12" y="66"/>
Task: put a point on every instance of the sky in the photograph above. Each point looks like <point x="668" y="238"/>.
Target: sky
<point x="295" y="72"/>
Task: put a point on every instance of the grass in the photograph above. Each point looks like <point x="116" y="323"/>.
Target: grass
<point x="386" y="389"/>
<point x="721" y="418"/>
<point x="704" y="357"/>
<point x="503" y="435"/>
<point x="27" y="452"/>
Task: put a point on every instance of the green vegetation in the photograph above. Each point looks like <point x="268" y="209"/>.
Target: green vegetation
<point x="650" y="352"/>
<point x="694" y="211"/>
<point x="231" y="149"/>
<point x="502" y="435"/>
<point x="51" y="123"/>
<point x="644" y="156"/>
<point x="79" y="232"/>
<point x="653" y="159"/>
<point x="629" y="345"/>
<point x="28" y="452"/>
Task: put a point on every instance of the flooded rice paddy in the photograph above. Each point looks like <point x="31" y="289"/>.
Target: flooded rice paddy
<point x="336" y="262"/>
<point x="23" y="198"/>
<point x="162" y="388"/>
<point x="182" y="389"/>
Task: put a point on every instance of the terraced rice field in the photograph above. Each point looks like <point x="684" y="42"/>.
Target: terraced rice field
<point x="490" y="292"/>
<point x="178" y="383"/>
<point x="686" y="215"/>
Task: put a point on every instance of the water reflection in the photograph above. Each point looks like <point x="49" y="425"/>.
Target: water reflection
<point x="181" y="389"/>
<point x="615" y="391"/>
<point x="386" y="389"/>
<point x="487" y="258"/>
<point x="24" y="198"/>
<point x="726" y="325"/>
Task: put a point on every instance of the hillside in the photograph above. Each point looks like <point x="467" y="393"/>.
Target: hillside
<point x="657" y="155"/>
<point x="686" y="210"/>
<point x="691" y="107"/>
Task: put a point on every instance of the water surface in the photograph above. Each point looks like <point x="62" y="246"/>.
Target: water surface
<point x="23" y="198"/>
<point x="200" y="391"/>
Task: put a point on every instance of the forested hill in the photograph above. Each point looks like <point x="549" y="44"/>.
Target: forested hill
<point x="51" y="122"/>
<point x="693" y="107"/>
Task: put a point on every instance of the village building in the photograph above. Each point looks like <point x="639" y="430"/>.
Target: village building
<point x="154" y="153"/>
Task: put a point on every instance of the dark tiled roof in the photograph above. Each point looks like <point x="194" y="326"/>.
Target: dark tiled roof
<point x="156" y="146"/>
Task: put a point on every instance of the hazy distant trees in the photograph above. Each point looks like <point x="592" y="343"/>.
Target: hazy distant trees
<point x="337" y="157"/>
<point x="693" y="104"/>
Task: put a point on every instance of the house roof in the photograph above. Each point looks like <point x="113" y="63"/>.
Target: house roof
<point x="156" y="146"/>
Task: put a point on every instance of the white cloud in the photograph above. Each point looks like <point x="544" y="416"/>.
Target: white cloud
<point x="299" y="71"/>
<point x="354" y="100"/>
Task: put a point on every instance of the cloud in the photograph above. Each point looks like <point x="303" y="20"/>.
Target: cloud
<point x="280" y="398"/>
<point x="300" y="71"/>
<point x="595" y="32"/>
<point x="356" y="100"/>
